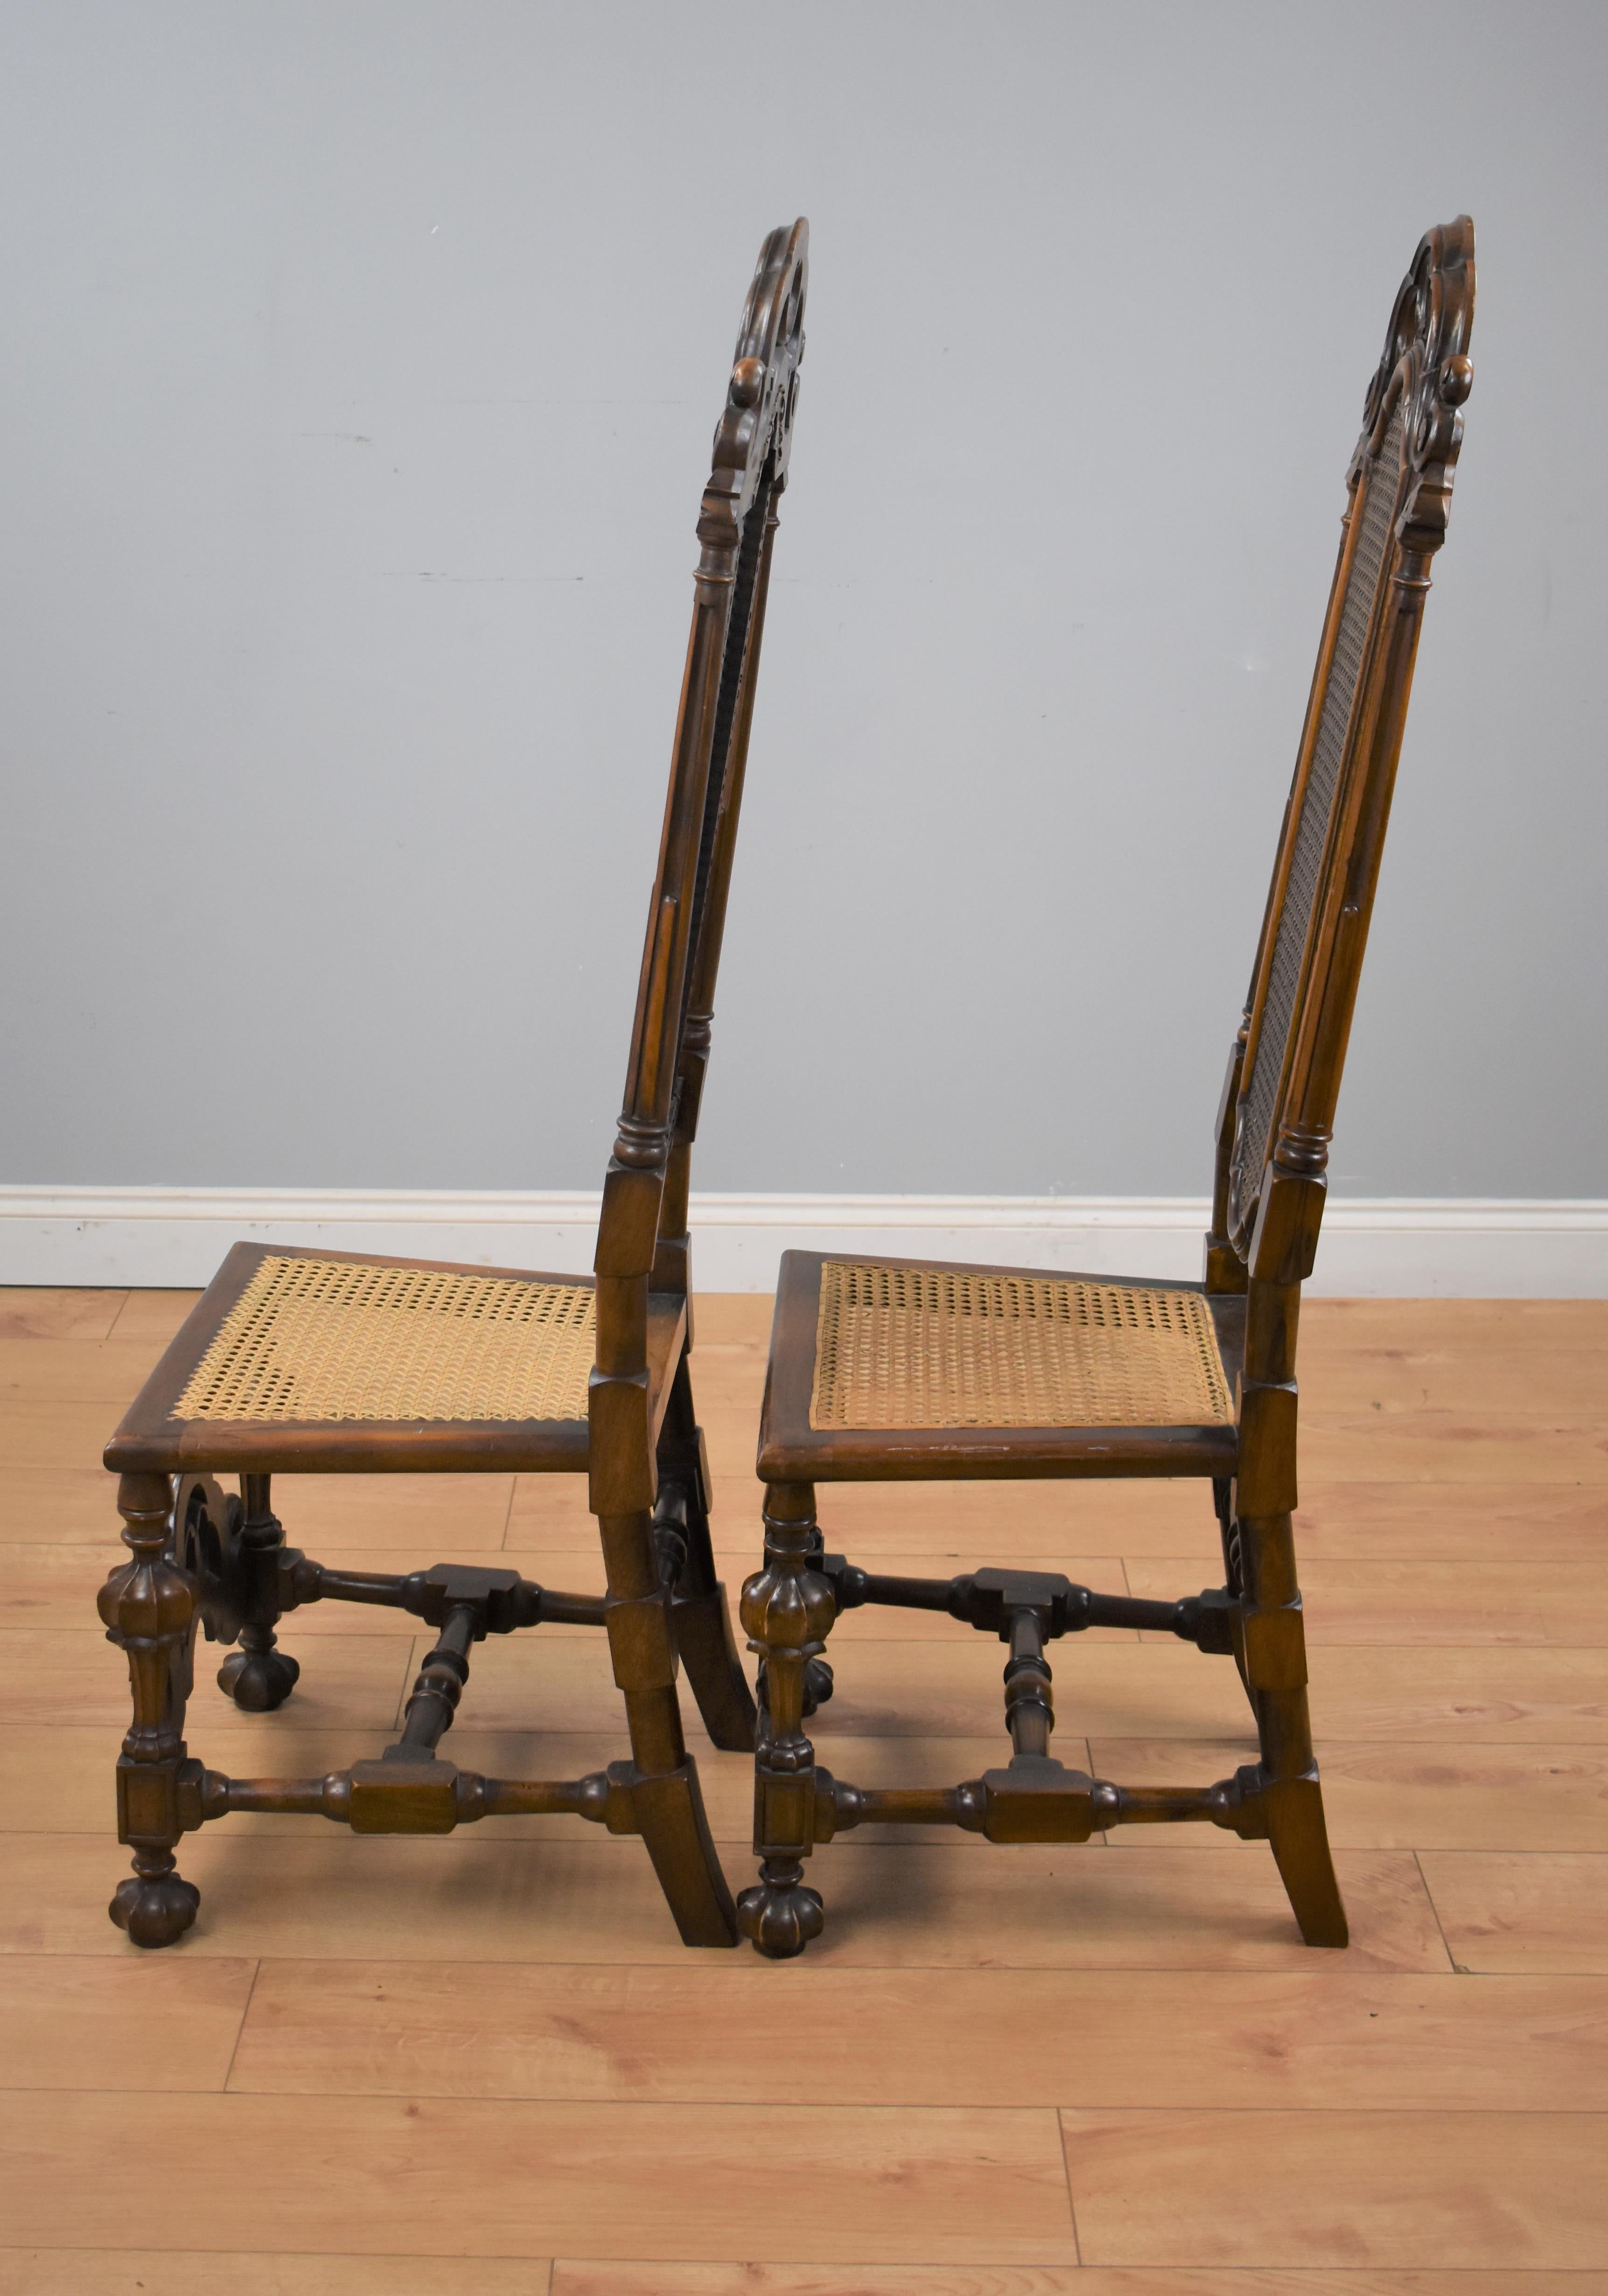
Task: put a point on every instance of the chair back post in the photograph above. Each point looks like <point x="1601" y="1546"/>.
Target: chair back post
<point x="751" y="444"/>
<point x="1272" y="1175"/>
<point x="671" y="1269"/>
<point x="1225" y="1270"/>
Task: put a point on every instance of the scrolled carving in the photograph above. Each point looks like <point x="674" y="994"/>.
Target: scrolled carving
<point x="770" y="351"/>
<point x="205" y="1544"/>
<point x="1427" y="367"/>
<point x="233" y="1557"/>
<point x="754" y="435"/>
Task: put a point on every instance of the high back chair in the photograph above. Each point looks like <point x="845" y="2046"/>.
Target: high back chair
<point x="331" y="1363"/>
<point x="884" y="1370"/>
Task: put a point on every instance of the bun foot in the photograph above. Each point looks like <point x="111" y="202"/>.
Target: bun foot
<point x="779" y="1915"/>
<point x="155" y="1909"/>
<point x="258" y="1680"/>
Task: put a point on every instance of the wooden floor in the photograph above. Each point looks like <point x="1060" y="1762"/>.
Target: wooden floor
<point x="1111" y="2069"/>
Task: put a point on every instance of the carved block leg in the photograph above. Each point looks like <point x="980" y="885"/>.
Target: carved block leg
<point x="788" y="1609"/>
<point x="148" y="1606"/>
<point x="666" y="1798"/>
<point x="702" y="1618"/>
<point x="257" y="1675"/>
<point x="1276" y="1674"/>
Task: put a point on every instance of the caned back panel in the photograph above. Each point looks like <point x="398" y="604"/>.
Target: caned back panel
<point x="1307" y="967"/>
<point x="739" y="667"/>
<point x="752" y="443"/>
<point x="1366" y="566"/>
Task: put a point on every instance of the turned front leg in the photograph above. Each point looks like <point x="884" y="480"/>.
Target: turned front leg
<point x="788" y="1609"/>
<point x="148" y="1606"/>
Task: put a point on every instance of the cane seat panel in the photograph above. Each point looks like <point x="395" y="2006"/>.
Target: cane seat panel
<point x="315" y="1339"/>
<point x="894" y="1370"/>
<point x="336" y="1363"/>
<point x="953" y="1347"/>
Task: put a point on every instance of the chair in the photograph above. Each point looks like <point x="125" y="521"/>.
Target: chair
<point x="886" y="1370"/>
<point x="301" y="1362"/>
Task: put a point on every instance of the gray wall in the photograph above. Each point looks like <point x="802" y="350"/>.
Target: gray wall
<point x="360" y="365"/>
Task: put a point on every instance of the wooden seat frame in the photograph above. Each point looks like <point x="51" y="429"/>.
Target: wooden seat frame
<point x="200" y="1558"/>
<point x="1273" y="1132"/>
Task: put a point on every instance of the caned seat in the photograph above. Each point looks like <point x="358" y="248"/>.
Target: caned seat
<point x="300" y="1362"/>
<point x="884" y="1370"/>
<point x="884" y="1367"/>
<point x="350" y="1356"/>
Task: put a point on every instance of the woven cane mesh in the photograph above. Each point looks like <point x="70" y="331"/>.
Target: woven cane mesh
<point x="334" y="1339"/>
<point x="917" y="1346"/>
<point x="1370" y="560"/>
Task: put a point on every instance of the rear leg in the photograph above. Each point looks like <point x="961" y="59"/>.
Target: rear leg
<point x="231" y="1549"/>
<point x="1299" y="1838"/>
<point x="661" y="1776"/>
<point x="1274" y="1662"/>
<point x="700" y="1614"/>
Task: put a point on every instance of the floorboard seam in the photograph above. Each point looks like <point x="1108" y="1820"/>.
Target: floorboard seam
<point x="1456" y="1966"/>
<point x="1071" y="2206"/>
<point x="240" y="2030"/>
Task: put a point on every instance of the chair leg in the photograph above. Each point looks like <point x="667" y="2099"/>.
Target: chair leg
<point x="257" y="1675"/>
<point x="1276" y="1674"/>
<point x="666" y="1795"/>
<point x="708" y="1649"/>
<point x="788" y="1610"/>
<point x="1223" y="1498"/>
<point x="148" y="1607"/>
<point x="702" y="1618"/>
<point x="1298" y="1833"/>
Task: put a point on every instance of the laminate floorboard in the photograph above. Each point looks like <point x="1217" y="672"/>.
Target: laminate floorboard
<point x="485" y="2064"/>
<point x="582" y="2278"/>
<point x="1436" y="2190"/>
<point x="426" y="2177"/>
<point x="1503" y="1910"/>
<point x="1311" y="2040"/>
<point x="164" y="2272"/>
<point x="37" y="1314"/>
<point x="84" y="2021"/>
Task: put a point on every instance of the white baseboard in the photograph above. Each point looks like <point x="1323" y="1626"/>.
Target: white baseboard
<point x="1389" y="1247"/>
